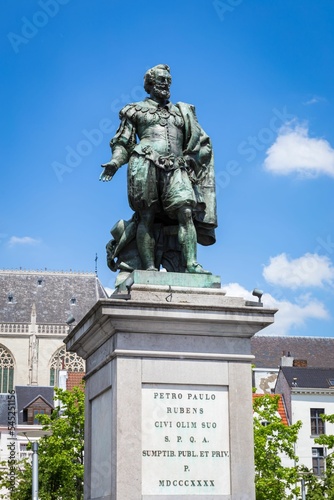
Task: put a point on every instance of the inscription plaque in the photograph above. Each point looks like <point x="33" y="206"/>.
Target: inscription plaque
<point x="185" y="440"/>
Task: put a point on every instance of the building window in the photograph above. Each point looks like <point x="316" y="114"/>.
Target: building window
<point x="38" y="412"/>
<point x="6" y="370"/>
<point x="317" y="424"/>
<point x="39" y="282"/>
<point x="318" y="461"/>
<point x="64" y="360"/>
<point x="24" y="452"/>
<point x="10" y="297"/>
<point x="73" y="300"/>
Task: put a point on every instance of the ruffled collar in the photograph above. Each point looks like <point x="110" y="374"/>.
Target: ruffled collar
<point x="156" y="105"/>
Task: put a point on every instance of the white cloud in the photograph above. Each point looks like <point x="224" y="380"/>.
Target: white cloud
<point x="236" y="290"/>
<point x="290" y="316"/>
<point x="295" y="151"/>
<point x="314" y="100"/>
<point x="24" y="240"/>
<point x="309" y="270"/>
<point x="293" y="316"/>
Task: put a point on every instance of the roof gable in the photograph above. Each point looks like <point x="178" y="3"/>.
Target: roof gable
<point x="37" y="399"/>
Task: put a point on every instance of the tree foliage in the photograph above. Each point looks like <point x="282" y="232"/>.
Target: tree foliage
<point x="60" y="454"/>
<point x="272" y="439"/>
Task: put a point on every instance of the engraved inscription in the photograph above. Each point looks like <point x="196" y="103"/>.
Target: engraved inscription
<point x="185" y="440"/>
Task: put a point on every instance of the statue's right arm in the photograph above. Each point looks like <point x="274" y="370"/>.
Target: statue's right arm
<point x="121" y="145"/>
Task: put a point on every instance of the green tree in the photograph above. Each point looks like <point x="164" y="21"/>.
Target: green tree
<point x="60" y="453"/>
<point x="272" y="439"/>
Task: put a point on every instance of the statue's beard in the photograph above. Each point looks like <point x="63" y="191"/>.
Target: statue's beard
<point x="161" y="91"/>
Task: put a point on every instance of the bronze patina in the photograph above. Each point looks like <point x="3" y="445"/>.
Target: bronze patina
<point x="171" y="185"/>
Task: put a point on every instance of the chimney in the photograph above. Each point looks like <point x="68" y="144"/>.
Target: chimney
<point x="300" y="363"/>
<point x="286" y="360"/>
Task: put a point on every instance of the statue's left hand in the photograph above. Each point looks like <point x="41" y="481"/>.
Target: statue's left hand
<point x="109" y="171"/>
<point x="191" y="164"/>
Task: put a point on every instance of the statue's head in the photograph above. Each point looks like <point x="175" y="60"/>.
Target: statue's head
<point x="157" y="81"/>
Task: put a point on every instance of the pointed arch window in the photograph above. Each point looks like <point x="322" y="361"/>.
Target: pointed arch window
<point x="64" y="360"/>
<point x="6" y="370"/>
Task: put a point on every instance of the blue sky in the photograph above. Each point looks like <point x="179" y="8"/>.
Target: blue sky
<point x="260" y="74"/>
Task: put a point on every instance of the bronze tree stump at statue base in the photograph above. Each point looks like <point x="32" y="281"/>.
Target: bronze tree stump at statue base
<point x="169" y="394"/>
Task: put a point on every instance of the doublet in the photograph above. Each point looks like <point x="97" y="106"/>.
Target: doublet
<point x="161" y="128"/>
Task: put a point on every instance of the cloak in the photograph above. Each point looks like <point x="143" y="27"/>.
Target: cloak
<point x="198" y="149"/>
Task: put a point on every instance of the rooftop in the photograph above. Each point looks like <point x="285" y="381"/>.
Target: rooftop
<point x="24" y="395"/>
<point x="55" y="295"/>
<point x="310" y="378"/>
<point x="317" y="351"/>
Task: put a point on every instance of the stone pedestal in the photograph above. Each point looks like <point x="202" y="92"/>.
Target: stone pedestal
<point x="169" y="394"/>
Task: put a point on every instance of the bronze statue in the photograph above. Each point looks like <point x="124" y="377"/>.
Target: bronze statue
<point x="171" y="186"/>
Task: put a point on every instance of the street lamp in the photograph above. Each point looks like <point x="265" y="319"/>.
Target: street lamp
<point x="301" y="475"/>
<point x="302" y="480"/>
<point x="34" y="446"/>
<point x="34" y="433"/>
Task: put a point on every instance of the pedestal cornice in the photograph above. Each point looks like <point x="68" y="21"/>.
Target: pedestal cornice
<point x="162" y="310"/>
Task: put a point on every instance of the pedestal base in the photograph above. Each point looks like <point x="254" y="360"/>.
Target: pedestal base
<point x="169" y="395"/>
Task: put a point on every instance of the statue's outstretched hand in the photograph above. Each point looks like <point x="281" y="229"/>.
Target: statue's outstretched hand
<point x="109" y="171"/>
